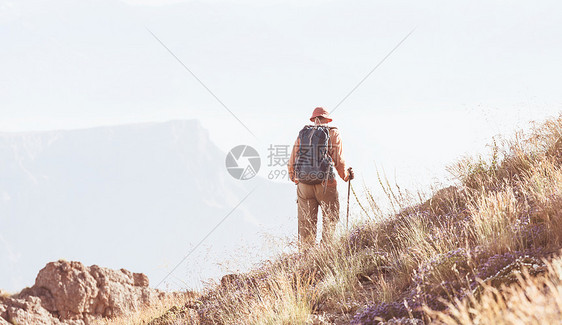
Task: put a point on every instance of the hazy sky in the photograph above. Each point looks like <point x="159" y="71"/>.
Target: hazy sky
<point x="470" y="70"/>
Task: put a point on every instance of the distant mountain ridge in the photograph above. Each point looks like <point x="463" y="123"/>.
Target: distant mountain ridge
<point x="136" y="196"/>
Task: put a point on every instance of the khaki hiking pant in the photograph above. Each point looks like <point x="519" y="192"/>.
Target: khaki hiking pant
<point x="309" y="197"/>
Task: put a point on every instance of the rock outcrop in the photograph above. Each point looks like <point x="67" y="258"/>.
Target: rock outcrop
<point x="69" y="293"/>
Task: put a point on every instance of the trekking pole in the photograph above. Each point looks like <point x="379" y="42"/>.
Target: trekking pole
<point x="347" y="216"/>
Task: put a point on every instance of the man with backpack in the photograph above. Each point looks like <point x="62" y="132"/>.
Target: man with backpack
<point x="317" y="151"/>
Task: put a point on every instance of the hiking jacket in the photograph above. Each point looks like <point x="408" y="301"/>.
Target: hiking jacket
<point x="335" y="152"/>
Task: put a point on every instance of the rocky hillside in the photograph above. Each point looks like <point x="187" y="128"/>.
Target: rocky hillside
<point x="69" y="293"/>
<point x="485" y="251"/>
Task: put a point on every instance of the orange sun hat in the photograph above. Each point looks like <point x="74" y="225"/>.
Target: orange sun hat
<point x="320" y="112"/>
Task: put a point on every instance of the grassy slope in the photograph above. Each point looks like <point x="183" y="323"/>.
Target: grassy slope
<point x="467" y="254"/>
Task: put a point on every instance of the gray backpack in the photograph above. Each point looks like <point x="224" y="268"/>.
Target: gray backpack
<point x="313" y="164"/>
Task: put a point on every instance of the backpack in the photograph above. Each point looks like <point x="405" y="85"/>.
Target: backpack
<point x="313" y="164"/>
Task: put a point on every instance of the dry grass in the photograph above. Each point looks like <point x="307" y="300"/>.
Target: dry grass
<point x="145" y="315"/>
<point x="532" y="300"/>
<point x="4" y="294"/>
<point x="280" y="299"/>
<point x="493" y="215"/>
<point x="450" y="259"/>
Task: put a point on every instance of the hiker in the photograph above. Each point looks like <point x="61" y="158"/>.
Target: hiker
<point x="317" y="150"/>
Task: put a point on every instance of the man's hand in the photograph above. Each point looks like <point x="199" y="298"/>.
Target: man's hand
<point x="350" y="174"/>
<point x="293" y="179"/>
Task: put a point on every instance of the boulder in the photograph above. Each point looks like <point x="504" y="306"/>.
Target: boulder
<point x="70" y="293"/>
